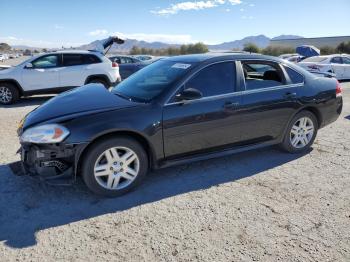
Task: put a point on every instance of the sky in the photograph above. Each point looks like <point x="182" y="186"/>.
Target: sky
<point x="43" y="23"/>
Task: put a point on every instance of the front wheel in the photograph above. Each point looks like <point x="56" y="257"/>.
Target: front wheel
<point x="300" y="133"/>
<point x="8" y="94"/>
<point x="114" y="166"/>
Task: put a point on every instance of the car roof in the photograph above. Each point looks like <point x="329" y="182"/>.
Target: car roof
<point x="73" y="51"/>
<point x="219" y="56"/>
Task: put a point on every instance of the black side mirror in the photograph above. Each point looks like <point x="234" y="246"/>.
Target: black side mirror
<point x="188" y="94"/>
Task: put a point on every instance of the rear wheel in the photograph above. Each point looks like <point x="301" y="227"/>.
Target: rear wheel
<point x="114" y="166"/>
<point x="100" y="81"/>
<point x="300" y="133"/>
<point x="8" y="93"/>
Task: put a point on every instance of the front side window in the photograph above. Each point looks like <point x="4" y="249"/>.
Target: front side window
<point x="152" y="80"/>
<point x="259" y="75"/>
<point x="294" y="76"/>
<point x="46" y="61"/>
<point x="214" y="80"/>
<point x="336" y="60"/>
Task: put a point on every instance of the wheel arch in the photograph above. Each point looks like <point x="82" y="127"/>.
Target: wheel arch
<point x="15" y="83"/>
<point x="314" y="111"/>
<point x="97" y="76"/>
<point x="122" y="133"/>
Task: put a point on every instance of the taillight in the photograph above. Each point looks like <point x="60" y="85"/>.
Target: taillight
<point x="115" y="64"/>
<point x="338" y="89"/>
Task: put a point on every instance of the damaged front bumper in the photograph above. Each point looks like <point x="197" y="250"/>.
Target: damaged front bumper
<point x="53" y="163"/>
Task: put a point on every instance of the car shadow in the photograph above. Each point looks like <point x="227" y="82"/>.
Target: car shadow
<point x="28" y="206"/>
<point x="29" y="101"/>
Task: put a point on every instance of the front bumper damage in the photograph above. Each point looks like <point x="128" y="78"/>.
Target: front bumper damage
<point x="54" y="163"/>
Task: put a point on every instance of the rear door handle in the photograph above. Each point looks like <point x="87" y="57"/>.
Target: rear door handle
<point x="290" y="95"/>
<point x="229" y="105"/>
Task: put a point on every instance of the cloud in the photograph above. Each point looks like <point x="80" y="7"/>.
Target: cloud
<point x="165" y="38"/>
<point x="98" y="32"/>
<point x="58" y="27"/>
<point x="194" y="5"/>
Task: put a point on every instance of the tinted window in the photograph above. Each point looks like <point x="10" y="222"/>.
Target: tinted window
<point x="262" y="75"/>
<point x="152" y="80"/>
<point x="214" y="80"/>
<point x="91" y="59"/>
<point x="346" y="60"/>
<point x="46" y="61"/>
<point x="336" y="60"/>
<point x="73" y="59"/>
<point x="294" y="76"/>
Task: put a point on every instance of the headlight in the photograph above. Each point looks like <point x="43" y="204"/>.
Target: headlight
<point x="45" y="134"/>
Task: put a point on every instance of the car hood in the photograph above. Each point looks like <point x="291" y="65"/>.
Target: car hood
<point x="88" y="99"/>
<point x="6" y="70"/>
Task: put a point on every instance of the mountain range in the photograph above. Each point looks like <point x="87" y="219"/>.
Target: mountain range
<point x="261" y="41"/>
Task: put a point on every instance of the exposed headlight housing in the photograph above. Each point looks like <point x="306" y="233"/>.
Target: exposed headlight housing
<point x="45" y="134"/>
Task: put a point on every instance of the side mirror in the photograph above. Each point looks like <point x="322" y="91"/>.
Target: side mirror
<point x="188" y="94"/>
<point x="29" y="65"/>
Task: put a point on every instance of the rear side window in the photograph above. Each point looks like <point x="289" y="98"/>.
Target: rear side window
<point x="346" y="60"/>
<point x="214" y="80"/>
<point x="91" y="59"/>
<point x="260" y="75"/>
<point x="73" y="59"/>
<point x="294" y="76"/>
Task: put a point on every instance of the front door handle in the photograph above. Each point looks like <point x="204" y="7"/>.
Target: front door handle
<point x="229" y="105"/>
<point x="290" y="95"/>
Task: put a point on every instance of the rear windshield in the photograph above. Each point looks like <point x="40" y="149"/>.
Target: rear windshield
<point x="152" y="80"/>
<point x="315" y="59"/>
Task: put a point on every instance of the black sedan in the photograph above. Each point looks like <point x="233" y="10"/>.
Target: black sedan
<point x="174" y="111"/>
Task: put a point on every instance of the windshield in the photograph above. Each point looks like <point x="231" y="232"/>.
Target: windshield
<point x="315" y="59"/>
<point x="152" y="80"/>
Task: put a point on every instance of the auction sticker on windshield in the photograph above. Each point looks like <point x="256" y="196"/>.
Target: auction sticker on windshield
<point x="181" y="66"/>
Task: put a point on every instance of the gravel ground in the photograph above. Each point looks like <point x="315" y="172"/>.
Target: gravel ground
<point x="255" y="206"/>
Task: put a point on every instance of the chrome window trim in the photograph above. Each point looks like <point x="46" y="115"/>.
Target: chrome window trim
<point x="237" y="93"/>
<point x="274" y="87"/>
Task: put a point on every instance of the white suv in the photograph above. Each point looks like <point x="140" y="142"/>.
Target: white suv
<point x="56" y="72"/>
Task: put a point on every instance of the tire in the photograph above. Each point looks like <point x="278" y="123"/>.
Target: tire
<point x="99" y="81"/>
<point x="105" y="175"/>
<point x="8" y="93"/>
<point x="299" y="137"/>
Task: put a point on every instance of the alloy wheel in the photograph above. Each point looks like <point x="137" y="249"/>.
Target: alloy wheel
<point x="302" y="132"/>
<point x="116" y="168"/>
<point x="5" y="94"/>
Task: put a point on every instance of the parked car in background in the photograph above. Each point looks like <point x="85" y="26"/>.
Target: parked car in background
<point x="295" y="59"/>
<point x="339" y="65"/>
<point x="143" y="57"/>
<point x="2" y="58"/>
<point x="285" y="56"/>
<point x="56" y="72"/>
<point x="175" y="111"/>
<point x="128" y="65"/>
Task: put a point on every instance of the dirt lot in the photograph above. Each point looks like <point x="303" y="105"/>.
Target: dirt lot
<point x="255" y="206"/>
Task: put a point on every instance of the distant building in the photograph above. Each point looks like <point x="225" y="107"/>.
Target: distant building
<point x="318" y="42"/>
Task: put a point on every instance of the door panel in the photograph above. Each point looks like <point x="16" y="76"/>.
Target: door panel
<point x="41" y="78"/>
<point x="265" y="113"/>
<point x="200" y="125"/>
<point x="73" y="75"/>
